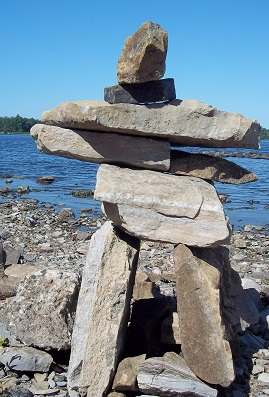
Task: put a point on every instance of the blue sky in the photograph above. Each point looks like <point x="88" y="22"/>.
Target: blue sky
<point x="58" y="50"/>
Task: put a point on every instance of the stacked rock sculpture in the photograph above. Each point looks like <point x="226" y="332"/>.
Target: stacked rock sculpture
<point x="152" y="192"/>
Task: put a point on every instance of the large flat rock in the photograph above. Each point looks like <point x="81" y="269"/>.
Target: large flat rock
<point x="170" y="376"/>
<point x="162" y="207"/>
<point x="102" y="311"/>
<point x="187" y="122"/>
<point x="143" y="55"/>
<point x="209" y="167"/>
<point x="206" y="350"/>
<point x="103" y="147"/>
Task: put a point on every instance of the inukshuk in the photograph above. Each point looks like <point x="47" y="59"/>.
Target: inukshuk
<point x="152" y="192"/>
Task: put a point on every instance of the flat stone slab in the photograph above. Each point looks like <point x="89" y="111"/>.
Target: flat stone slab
<point x="170" y="376"/>
<point x="209" y="167"/>
<point x="103" y="147"/>
<point x="141" y="93"/>
<point x="187" y="122"/>
<point x="102" y="311"/>
<point x="143" y="56"/>
<point x="162" y="207"/>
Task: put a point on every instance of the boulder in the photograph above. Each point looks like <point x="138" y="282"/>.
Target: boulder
<point x="103" y="147"/>
<point x="26" y="359"/>
<point x="209" y="167"/>
<point x="42" y="313"/>
<point x="141" y="93"/>
<point x="205" y="349"/>
<point x="143" y="56"/>
<point x="170" y="376"/>
<point x="125" y="378"/>
<point x="103" y="311"/>
<point x="156" y="206"/>
<point x="187" y="122"/>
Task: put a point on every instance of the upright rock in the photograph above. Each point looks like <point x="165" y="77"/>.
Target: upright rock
<point x="144" y="54"/>
<point x="205" y="349"/>
<point x="103" y="311"/>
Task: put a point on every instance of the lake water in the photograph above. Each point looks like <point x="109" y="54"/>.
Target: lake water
<point x="247" y="204"/>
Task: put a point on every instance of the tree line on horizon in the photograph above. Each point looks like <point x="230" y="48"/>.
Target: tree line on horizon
<point x="22" y="125"/>
<point x="17" y="124"/>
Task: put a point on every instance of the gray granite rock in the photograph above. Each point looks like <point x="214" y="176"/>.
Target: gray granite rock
<point x="43" y="311"/>
<point x="170" y="376"/>
<point x="103" y="311"/>
<point x="26" y="359"/>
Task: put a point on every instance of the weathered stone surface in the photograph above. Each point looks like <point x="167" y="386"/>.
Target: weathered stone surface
<point x="103" y="147"/>
<point x="42" y="313"/>
<point x="209" y="167"/>
<point x="103" y="310"/>
<point x="205" y="349"/>
<point x="144" y="288"/>
<point x="170" y="376"/>
<point x="26" y="359"/>
<point x="21" y="271"/>
<point x="125" y="378"/>
<point x="8" y="287"/>
<point x="141" y="93"/>
<point x="143" y="56"/>
<point x="162" y="207"/>
<point x="170" y="330"/>
<point x="187" y="122"/>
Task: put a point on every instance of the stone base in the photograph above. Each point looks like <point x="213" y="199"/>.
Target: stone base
<point x="149" y="92"/>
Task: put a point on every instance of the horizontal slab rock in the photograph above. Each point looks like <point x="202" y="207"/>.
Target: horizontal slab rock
<point x="26" y="359"/>
<point x="187" y="122"/>
<point x="205" y="349"/>
<point x="162" y="207"/>
<point x="209" y="167"/>
<point x="103" y="147"/>
<point x="102" y="311"/>
<point x="170" y="376"/>
<point x="143" y="56"/>
<point x="42" y="313"/>
<point x="141" y="93"/>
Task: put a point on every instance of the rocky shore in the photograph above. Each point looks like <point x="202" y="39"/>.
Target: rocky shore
<point x="38" y="237"/>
